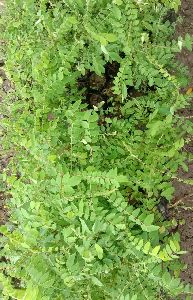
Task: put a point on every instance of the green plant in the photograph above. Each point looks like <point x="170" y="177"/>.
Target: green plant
<point x="85" y="181"/>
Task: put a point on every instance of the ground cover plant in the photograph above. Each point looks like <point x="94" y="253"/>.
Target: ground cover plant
<point x="91" y="122"/>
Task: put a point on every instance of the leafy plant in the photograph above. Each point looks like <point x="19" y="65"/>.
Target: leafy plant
<point x="85" y="180"/>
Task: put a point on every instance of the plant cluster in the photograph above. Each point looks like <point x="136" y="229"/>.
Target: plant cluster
<point x="86" y="178"/>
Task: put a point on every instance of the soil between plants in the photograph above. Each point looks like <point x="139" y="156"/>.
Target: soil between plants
<point x="3" y="160"/>
<point x="183" y="198"/>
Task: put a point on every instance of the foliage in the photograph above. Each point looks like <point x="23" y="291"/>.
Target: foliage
<point x="85" y="182"/>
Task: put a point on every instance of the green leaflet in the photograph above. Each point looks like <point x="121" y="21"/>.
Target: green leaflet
<point x="99" y="251"/>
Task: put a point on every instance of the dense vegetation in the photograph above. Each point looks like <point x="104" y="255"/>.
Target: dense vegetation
<point x="95" y="140"/>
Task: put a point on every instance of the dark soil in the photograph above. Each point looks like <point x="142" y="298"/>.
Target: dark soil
<point x="183" y="200"/>
<point x="98" y="89"/>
